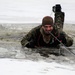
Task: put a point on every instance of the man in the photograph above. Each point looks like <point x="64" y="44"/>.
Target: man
<point x="46" y="35"/>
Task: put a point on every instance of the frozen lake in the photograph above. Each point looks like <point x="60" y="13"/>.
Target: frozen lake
<point x="12" y="54"/>
<point x="17" y="17"/>
<point x="11" y="35"/>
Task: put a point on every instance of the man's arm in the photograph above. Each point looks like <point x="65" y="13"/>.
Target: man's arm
<point x="69" y="40"/>
<point x="28" y="40"/>
<point x="66" y="40"/>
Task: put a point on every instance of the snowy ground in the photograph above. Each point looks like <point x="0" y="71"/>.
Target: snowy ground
<point x="14" y="60"/>
<point x="28" y="67"/>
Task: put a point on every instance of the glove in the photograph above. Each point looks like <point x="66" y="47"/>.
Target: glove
<point x="56" y="8"/>
<point x="30" y="44"/>
<point x="62" y="38"/>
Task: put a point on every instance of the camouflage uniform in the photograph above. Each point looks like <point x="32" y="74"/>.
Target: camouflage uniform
<point x="59" y="20"/>
<point x="58" y="23"/>
<point x="35" y="37"/>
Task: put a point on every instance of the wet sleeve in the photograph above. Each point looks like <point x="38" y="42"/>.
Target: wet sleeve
<point x="69" y="41"/>
<point x="28" y="39"/>
<point x="66" y="40"/>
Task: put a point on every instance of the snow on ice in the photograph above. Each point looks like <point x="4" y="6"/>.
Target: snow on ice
<point x="14" y="18"/>
<point x="27" y="67"/>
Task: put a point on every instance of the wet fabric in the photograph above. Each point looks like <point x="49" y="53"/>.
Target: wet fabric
<point x="34" y="38"/>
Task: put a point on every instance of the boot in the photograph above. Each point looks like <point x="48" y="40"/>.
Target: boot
<point x="59" y="20"/>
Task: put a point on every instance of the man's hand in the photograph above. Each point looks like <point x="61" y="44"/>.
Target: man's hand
<point x="30" y="44"/>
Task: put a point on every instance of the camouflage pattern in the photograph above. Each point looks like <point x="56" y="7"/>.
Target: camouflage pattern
<point x="34" y="34"/>
<point x="59" y="20"/>
<point x="69" y="40"/>
<point x="58" y="23"/>
<point x="30" y="36"/>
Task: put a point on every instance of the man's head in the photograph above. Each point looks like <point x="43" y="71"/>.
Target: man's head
<point x="47" y="24"/>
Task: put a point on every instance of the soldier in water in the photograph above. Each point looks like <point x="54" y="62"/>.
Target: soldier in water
<point x="49" y="34"/>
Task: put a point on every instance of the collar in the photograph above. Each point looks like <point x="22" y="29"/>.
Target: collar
<point x="45" y="38"/>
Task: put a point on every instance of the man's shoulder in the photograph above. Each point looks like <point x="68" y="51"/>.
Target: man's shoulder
<point x="35" y="28"/>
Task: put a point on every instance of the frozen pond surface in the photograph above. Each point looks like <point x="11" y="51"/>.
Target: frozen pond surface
<point x="12" y="54"/>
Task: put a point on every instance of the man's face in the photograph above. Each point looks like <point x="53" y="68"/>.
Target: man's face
<point x="47" y="29"/>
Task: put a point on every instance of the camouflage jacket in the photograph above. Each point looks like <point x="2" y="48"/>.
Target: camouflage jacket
<point x="35" y="38"/>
